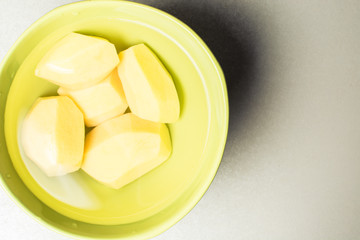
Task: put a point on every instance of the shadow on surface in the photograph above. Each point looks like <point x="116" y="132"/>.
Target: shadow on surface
<point x="232" y="36"/>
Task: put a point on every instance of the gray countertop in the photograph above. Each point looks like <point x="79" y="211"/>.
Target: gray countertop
<point x="291" y="167"/>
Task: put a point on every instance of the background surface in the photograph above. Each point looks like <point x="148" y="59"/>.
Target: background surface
<point x="291" y="168"/>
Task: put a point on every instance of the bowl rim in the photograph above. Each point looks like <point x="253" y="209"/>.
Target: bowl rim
<point x="195" y="197"/>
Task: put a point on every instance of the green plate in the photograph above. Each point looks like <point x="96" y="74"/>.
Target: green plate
<point x="76" y="205"/>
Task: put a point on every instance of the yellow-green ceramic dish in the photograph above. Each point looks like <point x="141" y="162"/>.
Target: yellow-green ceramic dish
<point x="76" y="205"/>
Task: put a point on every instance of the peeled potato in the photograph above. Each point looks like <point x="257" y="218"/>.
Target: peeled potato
<point x="53" y="135"/>
<point x="124" y="148"/>
<point x="148" y="87"/>
<point x="78" y="61"/>
<point x="100" y="102"/>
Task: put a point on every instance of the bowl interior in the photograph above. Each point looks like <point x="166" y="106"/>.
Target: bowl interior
<point x="77" y="205"/>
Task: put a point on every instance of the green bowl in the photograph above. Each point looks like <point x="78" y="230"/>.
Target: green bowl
<point x="76" y="205"/>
